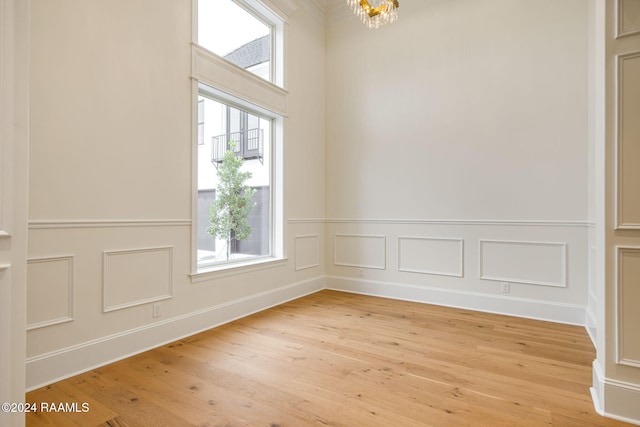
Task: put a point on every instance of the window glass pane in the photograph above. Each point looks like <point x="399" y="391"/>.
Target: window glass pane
<point x="230" y="31"/>
<point x="225" y="125"/>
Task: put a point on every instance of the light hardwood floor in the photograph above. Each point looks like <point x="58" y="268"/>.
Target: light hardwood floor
<point x="338" y="359"/>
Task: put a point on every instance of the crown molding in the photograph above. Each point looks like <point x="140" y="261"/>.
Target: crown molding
<point x="316" y="9"/>
<point x="283" y="8"/>
<point x="320" y="5"/>
<point x="337" y="10"/>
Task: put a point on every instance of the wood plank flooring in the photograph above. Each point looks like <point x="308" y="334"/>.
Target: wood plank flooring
<point x="338" y="359"/>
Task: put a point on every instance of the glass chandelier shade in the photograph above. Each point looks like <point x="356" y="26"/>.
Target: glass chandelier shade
<point x="375" y="13"/>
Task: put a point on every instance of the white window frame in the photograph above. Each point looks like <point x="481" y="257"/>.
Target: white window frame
<point x="277" y="22"/>
<point x="200" y="122"/>
<point x="268" y="16"/>
<point x="225" y="82"/>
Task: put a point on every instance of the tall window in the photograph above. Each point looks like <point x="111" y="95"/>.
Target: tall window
<point x="239" y="135"/>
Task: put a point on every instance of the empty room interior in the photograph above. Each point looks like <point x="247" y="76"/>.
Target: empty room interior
<point x="433" y="222"/>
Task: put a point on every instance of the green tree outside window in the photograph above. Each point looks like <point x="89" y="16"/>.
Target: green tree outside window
<point x="229" y="211"/>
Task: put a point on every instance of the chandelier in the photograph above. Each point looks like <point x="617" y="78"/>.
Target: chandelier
<point x="382" y="12"/>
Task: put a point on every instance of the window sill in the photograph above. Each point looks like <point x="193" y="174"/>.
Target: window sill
<point x="226" y="270"/>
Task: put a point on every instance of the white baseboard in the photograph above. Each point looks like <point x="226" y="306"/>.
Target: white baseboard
<point x="520" y="307"/>
<point x="67" y="362"/>
<point x="597" y="387"/>
<point x="592" y="331"/>
<point x="592" y="322"/>
<point x="615" y="399"/>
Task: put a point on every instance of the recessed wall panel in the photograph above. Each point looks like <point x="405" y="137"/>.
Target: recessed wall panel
<point x="49" y="291"/>
<point x="628" y="143"/>
<point x="431" y="256"/>
<point x="628" y="17"/>
<point x="533" y="263"/>
<point x="628" y="301"/>
<point x="364" y="251"/>
<point x="134" y="277"/>
<point x="307" y="252"/>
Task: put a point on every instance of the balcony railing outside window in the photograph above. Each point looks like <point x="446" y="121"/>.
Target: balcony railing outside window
<point x="249" y="145"/>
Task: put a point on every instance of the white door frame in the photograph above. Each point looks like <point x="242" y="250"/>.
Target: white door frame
<point x="14" y="167"/>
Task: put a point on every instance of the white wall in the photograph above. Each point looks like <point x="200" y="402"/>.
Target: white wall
<point x="111" y="183"/>
<point x="466" y="120"/>
<point x="594" y="40"/>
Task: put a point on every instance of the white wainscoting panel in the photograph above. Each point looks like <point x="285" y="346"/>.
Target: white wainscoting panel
<point x="66" y="362"/>
<point x="628" y="301"/>
<point x="533" y="263"/>
<point x="628" y="17"/>
<point x="135" y="277"/>
<point x="49" y="291"/>
<point x="307" y="249"/>
<point x="628" y="141"/>
<point x="360" y="250"/>
<point x="430" y="255"/>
